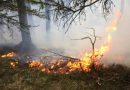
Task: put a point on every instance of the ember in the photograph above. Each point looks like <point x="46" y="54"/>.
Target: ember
<point x="35" y="64"/>
<point x="8" y="55"/>
<point x="13" y="64"/>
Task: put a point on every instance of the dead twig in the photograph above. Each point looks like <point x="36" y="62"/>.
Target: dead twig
<point x="92" y="41"/>
<point x="65" y="57"/>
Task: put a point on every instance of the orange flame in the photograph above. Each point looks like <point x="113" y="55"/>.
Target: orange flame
<point x="13" y="64"/>
<point x="35" y="64"/>
<point x="8" y="55"/>
<point x="113" y="25"/>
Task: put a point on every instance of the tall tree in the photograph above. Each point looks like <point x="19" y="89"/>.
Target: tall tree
<point x="25" y="32"/>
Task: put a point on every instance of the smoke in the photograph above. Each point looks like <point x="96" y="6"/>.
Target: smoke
<point x="58" y="40"/>
<point x="62" y="43"/>
<point x="9" y="36"/>
<point x="120" y="52"/>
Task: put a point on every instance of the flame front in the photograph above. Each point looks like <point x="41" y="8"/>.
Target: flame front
<point x="8" y="55"/>
<point x="86" y="60"/>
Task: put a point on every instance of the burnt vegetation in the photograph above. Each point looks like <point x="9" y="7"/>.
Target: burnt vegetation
<point x="112" y="77"/>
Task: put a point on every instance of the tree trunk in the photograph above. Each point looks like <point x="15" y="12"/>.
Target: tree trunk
<point x="26" y="37"/>
<point x="47" y="12"/>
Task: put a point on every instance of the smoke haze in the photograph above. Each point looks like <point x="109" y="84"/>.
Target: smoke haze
<point x="57" y="39"/>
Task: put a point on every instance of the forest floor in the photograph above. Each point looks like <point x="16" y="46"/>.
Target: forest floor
<point x="113" y="77"/>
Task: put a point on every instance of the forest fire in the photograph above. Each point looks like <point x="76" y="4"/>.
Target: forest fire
<point x="64" y="44"/>
<point x="8" y="55"/>
<point x="65" y="67"/>
<point x="82" y="64"/>
<point x="96" y="55"/>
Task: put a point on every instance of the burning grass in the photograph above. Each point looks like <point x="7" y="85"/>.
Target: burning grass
<point x="22" y="77"/>
<point x="68" y="74"/>
<point x="61" y="65"/>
